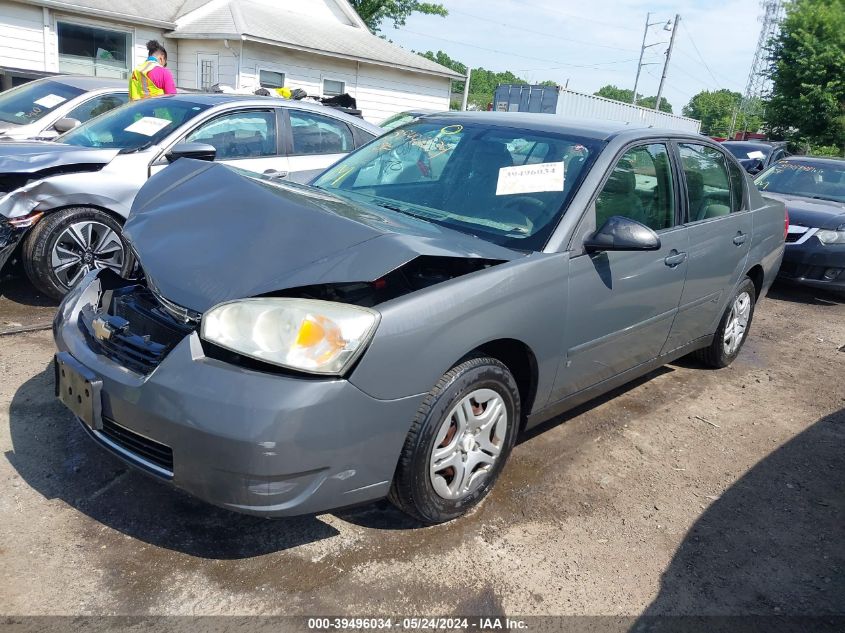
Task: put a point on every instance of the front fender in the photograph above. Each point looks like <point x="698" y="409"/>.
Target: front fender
<point x="423" y="334"/>
<point x="69" y="190"/>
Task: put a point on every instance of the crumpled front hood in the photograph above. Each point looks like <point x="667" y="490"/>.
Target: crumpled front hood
<point x="205" y="234"/>
<point x="33" y="156"/>
<point x="812" y="212"/>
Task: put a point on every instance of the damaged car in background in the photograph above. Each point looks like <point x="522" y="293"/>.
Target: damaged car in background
<point x="44" y="108"/>
<point x="390" y="329"/>
<point x="63" y="204"/>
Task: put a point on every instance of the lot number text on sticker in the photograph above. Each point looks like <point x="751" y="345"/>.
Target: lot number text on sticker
<point x="530" y="178"/>
<point x="148" y="125"/>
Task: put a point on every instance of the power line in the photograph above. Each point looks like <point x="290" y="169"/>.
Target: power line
<point x="560" y="64"/>
<point x="692" y="41"/>
<point x="555" y="36"/>
<point x="581" y="17"/>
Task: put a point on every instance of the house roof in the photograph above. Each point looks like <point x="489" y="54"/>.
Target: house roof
<point x="161" y="13"/>
<point x="259" y="22"/>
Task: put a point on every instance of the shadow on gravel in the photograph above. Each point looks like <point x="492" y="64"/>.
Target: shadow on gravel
<point x="56" y="458"/>
<point x="771" y="545"/>
<point x="793" y="293"/>
<point x="17" y="289"/>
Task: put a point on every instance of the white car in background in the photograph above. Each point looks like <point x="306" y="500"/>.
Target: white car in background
<point x="44" y="108"/>
<point x="65" y="202"/>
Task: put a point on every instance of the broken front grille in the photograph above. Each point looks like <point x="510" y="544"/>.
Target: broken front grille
<point x="134" y="330"/>
<point x="143" y="448"/>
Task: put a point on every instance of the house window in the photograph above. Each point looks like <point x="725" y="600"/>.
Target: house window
<point x="271" y="79"/>
<point x="332" y="87"/>
<point x="88" y="50"/>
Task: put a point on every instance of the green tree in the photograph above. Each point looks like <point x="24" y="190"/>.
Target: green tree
<point x="807" y="104"/>
<point x="373" y="12"/>
<point x="625" y="95"/>
<point x="716" y="109"/>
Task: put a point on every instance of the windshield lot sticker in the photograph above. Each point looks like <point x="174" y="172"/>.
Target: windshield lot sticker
<point x="530" y="178"/>
<point x="756" y="154"/>
<point x="148" y="125"/>
<point x="50" y="101"/>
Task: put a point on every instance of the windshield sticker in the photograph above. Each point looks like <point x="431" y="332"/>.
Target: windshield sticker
<point x="756" y="154"/>
<point x="50" y="101"/>
<point x="530" y="178"/>
<point x="148" y="126"/>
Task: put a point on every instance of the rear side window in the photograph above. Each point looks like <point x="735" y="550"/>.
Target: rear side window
<point x="737" y="188"/>
<point x="318" y="134"/>
<point x="708" y="183"/>
<point x="640" y="188"/>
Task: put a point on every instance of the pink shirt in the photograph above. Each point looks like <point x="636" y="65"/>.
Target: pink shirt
<point x="163" y="79"/>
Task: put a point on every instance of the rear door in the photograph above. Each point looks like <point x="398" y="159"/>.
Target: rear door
<point x="719" y="225"/>
<point x="622" y="304"/>
<point x="315" y="141"/>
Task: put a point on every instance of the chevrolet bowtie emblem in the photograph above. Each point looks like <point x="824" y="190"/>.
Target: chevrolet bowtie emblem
<point x="102" y="329"/>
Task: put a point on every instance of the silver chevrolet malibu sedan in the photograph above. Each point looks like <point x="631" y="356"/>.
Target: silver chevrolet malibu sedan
<point x="390" y="329"/>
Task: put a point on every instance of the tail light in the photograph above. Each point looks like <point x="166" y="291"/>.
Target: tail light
<point x="786" y="224"/>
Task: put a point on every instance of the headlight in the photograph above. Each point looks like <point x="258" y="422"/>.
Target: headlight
<point x="826" y="236"/>
<point x="321" y="337"/>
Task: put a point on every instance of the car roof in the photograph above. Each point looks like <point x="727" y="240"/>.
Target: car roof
<point x="822" y="160"/>
<point x="758" y="144"/>
<point x="88" y="83"/>
<point x="590" y="128"/>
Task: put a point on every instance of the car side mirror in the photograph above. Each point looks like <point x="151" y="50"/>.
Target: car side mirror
<point x="66" y="124"/>
<point x="622" y="234"/>
<point x="198" y="151"/>
<point x="756" y="167"/>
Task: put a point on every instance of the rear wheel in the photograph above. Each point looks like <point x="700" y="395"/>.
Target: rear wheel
<point x="459" y="441"/>
<point x="733" y="328"/>
<point x="67" y="244"/>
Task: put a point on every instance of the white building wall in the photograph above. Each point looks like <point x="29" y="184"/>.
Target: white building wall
<point x="21" y="36"/>
<point x="380" y="91"/>
<point x="28" y="37"/>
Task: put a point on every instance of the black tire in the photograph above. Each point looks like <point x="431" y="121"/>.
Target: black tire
<point x="38" y="247"/>
<point x="716" y="355"/>
<point x="412" y="490"/>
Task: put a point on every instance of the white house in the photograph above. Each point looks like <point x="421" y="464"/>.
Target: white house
<point x="321" y="46"/>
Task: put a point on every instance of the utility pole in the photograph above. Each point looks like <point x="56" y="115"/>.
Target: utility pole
<point x="642" y="52"/>
<point x="640" y="63"/>
<point x="466" y="90"/>
<point x="666" y="63"/>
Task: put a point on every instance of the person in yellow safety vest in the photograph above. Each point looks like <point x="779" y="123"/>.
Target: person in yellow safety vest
<point x="152" y="79"/>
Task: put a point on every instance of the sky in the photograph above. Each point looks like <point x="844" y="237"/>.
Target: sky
<point x="591" y="43"/>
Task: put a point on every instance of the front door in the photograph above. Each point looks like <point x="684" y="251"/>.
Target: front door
<point x="720" y="227"/>
<point x="622" y="304"/>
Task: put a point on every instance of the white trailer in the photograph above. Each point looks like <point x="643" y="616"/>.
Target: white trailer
<point x="568" y="103"/>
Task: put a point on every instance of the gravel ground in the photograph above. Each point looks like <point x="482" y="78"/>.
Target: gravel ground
<point x="687" y="492"/>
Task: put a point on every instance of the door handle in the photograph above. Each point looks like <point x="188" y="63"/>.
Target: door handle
<point x="675" y="258"/>
<point x="274" y="173"/>
<point x="740" y="238"/>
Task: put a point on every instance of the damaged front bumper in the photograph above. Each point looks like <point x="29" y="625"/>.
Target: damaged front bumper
<point x="254" y="442"/>
<point x="11" y="235"/>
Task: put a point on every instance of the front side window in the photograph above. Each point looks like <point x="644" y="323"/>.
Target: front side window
<point x="134" y="126"/>
<point x="93" y="51"/>
<point x="708" y="184"/>
<point x="640" y="188"/>
<point x="473" y="178"/>
<point x="249" y="134"/>
<point x="97" y="106"/>
<point x="34" y="100"/>
<point x="317" y="134"/>
<point x="271" y="79"/>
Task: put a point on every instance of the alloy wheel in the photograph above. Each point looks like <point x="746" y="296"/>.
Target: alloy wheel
<point x="85" y="246"/>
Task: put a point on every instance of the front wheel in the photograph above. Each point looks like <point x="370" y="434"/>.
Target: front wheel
<point x="67" y="244"/>
<point x="733" y="328"/>
<point x="459" y="441"/>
